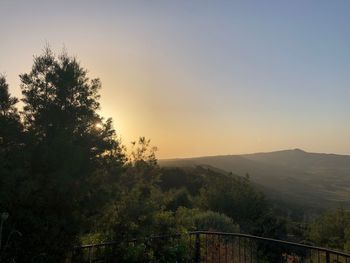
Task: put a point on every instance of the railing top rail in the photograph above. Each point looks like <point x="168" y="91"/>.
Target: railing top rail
<point x="277" y="241"/>
<point x="273" y="240"/>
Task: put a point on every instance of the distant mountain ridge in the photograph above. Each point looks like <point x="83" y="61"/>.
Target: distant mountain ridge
<point x="314" y="179"/>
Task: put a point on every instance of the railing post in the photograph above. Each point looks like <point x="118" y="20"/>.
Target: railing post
<point x="90" y="254"/>
<point x="197" y="255"/>
<point x="328" y="259"/>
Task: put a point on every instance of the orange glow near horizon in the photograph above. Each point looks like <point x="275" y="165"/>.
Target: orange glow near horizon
<point x="200" y="79"/>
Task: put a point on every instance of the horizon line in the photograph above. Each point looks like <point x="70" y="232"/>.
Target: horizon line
<point x="251" y="153"/>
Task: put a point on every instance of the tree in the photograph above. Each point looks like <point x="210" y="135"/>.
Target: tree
<point x="11" y="146"/>
<point x="7" y="105"/>
<point x="238" y="199"/>
<point x="12" y="163"/>
<point x="195" y="219"/>
<point x="72" y="151"/>
<point x="9" y="118"/>
<point x="332" y="230"/>
<point x="132" y="212"/>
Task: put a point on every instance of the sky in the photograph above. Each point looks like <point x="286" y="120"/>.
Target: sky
<point x="201" y="77"/>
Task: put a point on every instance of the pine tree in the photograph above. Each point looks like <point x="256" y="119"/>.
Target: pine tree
<point x="73" y="152"/>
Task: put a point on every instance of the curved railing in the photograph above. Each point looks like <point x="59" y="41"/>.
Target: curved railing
<point x="207" y="246"/>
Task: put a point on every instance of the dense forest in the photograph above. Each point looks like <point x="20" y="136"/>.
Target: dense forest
<point x="67" y="179"/>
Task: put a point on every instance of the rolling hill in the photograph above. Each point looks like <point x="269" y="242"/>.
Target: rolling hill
<point x="294" y="176"/>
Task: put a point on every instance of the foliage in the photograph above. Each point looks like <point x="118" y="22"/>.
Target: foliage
<point x="332" y="230"/>
<point x="237" y="198"/>
<point x="176" y="198"/>
<point x="195" y="219"/>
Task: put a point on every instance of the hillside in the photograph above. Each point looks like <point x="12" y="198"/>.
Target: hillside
<point x="295" y="176"/>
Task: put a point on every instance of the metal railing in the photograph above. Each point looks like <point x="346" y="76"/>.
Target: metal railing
<point x="209" y="247"/>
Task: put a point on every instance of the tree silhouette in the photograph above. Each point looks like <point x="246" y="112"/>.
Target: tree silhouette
<point x="11" y="160"/>
<point x="70" y="149"/>
<point x="9" y="118"/>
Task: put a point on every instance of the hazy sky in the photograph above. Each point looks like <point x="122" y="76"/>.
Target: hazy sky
<point x="201" y="77"/>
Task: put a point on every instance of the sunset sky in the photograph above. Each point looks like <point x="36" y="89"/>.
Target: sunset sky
<point x="201" y="77"/>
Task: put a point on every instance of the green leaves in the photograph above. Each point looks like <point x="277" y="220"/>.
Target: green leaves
<point x="332" y="230"/>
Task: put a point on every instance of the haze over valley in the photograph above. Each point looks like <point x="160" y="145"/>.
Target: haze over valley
<point x="309" y="179"/>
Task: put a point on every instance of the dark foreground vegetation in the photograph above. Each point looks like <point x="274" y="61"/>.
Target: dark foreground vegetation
<point x="66" y="180"/>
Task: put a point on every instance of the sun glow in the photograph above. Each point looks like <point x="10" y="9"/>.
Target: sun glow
<point x="98" y="126"/>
